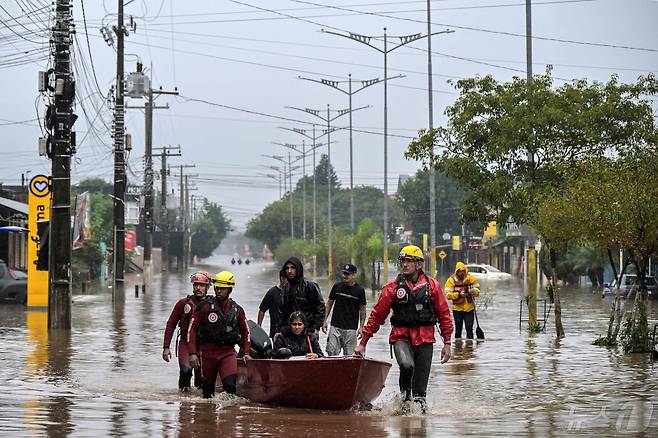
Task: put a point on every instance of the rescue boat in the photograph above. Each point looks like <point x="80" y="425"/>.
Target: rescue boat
<point x="329" y="383"/>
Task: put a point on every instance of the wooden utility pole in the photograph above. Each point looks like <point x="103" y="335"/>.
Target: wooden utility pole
<point x="61" y="120"/>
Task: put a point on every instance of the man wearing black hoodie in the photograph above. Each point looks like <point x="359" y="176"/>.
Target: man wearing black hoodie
<point x="301" y="294"/>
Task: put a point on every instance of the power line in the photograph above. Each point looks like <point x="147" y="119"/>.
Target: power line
<point x="476" y="29"/>
<point x="207" y="102"/>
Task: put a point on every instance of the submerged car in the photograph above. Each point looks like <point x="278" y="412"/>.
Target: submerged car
<point x="488" y="272"/>
<point x="629" y="283"/>
<point x="13" y="285"/>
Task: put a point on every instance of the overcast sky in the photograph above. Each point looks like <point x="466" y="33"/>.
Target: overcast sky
<point x="248" y="55"/>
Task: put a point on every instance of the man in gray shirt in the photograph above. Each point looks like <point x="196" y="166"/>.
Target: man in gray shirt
<point x="349" y="314"/>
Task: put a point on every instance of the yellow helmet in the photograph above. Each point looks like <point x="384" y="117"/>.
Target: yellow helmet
<point x="411" y="252"/>
<point x="224" y="279"/>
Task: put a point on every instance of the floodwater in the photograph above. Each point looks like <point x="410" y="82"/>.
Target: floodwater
<point x="106" y="376"/>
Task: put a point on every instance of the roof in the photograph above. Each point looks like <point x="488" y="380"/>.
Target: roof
<point x="14" y="205"/>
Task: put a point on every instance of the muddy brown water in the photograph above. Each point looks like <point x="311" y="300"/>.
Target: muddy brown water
<point x="106" y="376"/>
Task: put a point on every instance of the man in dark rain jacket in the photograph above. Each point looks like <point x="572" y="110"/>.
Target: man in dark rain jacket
<point x="301" y="294"/>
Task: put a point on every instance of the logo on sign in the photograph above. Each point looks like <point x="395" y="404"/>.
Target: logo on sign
<point x="212" y="317"/>
<point x="40" y="186"/>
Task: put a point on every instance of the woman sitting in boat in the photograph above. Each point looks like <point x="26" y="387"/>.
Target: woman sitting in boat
<point x="296" y="339"/>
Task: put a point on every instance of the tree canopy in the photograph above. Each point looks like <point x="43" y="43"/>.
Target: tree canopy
<point x="209" y="229"/>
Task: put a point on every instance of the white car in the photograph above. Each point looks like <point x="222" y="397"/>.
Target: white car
<point x="488" y="272"/>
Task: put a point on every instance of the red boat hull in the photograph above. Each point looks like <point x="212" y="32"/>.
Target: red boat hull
<point x="332" y="383"/>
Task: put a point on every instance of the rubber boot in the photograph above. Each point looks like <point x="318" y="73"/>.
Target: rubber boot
<point x="230" y="384"/>
<point x="184" y="379"/>
<point x="198" y="382"/>
<point x="422" y="403"/>
<point x="405" y="396"/>
<point x="207" y="389"/>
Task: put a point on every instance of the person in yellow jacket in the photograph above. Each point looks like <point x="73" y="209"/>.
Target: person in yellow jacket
<point x="461" y="288"/>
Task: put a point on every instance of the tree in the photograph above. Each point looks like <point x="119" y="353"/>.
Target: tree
<point x="88" y="257"/>
<point x="414" y="201"/>
<point x="623" y="211"/>
<point x="508" y="143"/>
<point x="209" y="229"/>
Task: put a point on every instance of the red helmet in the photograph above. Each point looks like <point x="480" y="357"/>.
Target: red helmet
<point x="202" y="277"/>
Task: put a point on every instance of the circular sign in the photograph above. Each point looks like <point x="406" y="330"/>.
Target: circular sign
<point x="442" y="254"/>
<point x="212" y="317"/>
<point x="40" y="186"/>
<point x="187" y="308"/>
<point x="400" y="293"/>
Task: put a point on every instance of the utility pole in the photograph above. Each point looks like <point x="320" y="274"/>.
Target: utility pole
<point x="336" y="85"/>
<point x="328" y="119"/>
<point x="150" y="94"/>
<point x="119" y="151"/>
<point x="184" y="215"/>
<point x="296" y="148"/>
<point x="186" y="208"/>
<point x="430" y="126"/>
<point x="62" y="119"/>
<point x="403" y="41"/>
<point x="314" y="138"/>
<point x="164" y="220"/>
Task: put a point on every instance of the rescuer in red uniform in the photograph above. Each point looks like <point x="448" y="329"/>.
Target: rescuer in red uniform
<point x="218" y="325"/>
<point x="180" y="315"/>
<point x="418" y="303"/>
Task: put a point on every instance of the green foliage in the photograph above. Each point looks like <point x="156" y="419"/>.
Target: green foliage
<point x="603" y="341"/>
<point x="414" y="200"/>
<point x="209" y="229"/>
<point x="535" y="327"/>
<point x="509" y="142"/>
<point x="272" y="225"/>
<point x="634" y="336"/>
<point x="101" y="213"/>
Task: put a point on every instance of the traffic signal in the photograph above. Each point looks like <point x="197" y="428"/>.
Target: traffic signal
<point x="43" y="231"/>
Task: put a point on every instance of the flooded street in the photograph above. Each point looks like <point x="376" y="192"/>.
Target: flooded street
<point x="106" y="377"/>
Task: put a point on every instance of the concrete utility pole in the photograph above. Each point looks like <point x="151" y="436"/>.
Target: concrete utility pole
<point x="335" y="84"/>
<point x="404" y="40"/>
<point x="302" y="157"/>
<point x="532" y="257"/>
<point x="181" y="261"/>
<point x="314" y="138"/>
<point x="328" y="119"/>
<point x="148" y="108"/>
<point x="430" y="126"/>
<point x="61" y="119"/>
<point x="119" y="152"/>
<point x="164" y="220"/>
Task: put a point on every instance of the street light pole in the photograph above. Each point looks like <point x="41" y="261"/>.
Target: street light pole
<point x="335" y="85"/>
<point x="404" y="40"/>
<point x="295" y="148"/>
<point x="316" y="145"/>
<point x="328" y="119"/>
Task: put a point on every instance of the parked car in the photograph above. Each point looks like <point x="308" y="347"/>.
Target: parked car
<point x="488" y="272"/>
<point x="629" y="283"/>
<point x="13" y="285"/>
